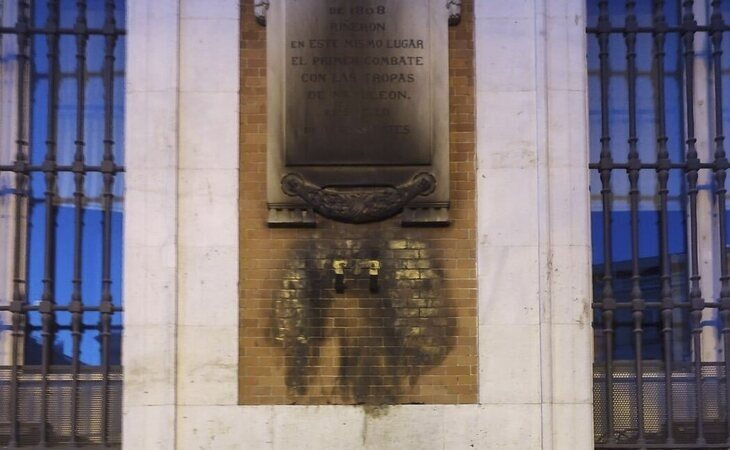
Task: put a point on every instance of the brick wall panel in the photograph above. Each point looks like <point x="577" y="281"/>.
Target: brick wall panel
<point x="413" y="342"/>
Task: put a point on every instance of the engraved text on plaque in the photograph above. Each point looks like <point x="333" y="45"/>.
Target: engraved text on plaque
<point x="358" y="82"/>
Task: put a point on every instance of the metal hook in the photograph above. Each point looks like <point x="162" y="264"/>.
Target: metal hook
<point x="339" y="267"/>
<point x="373" y="270"/>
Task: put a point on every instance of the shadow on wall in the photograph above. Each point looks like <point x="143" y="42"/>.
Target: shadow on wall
<point x="362" y="346"/>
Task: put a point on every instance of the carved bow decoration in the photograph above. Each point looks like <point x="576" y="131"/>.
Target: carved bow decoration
<point x="454" y="7"/>
<point x="358" y="205"/>
<point x="260" y="7"/>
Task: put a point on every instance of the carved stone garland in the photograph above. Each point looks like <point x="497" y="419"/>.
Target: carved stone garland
<point x="358" y="205"/>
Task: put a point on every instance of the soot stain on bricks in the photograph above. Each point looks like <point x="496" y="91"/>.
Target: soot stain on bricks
<point x="364" y="347"/>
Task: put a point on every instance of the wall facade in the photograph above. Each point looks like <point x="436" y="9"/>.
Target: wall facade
<point x="412" y="342"/>
<point x="184" y="227"/>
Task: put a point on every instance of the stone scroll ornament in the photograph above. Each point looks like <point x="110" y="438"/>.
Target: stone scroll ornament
<point x="358" y="205"/>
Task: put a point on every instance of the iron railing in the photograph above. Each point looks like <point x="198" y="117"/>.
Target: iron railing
<point x="65" y="246"/>
<point x="656" y="398"/>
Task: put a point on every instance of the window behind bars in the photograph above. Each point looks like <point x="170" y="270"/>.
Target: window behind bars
<point x="657" y="70"/>
<point x="61" y="193"/>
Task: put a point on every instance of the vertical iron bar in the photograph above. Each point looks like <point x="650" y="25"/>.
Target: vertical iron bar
<point x="717" y="24"/>
<point x="634" y="166"/>
<point x="663" y="166"/>
<point x="689" y="27"/>
<point x="608" y="303"/>
<point x="21" y="186"/>
<point x="108" y="166"/>
<point x="50" y="172"/>
<point x="76" y="307"/>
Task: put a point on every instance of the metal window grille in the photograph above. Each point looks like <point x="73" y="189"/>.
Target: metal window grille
<point x="661" y="283"/>
<point x="61" y="176"/>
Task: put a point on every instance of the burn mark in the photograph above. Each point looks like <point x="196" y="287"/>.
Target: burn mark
<point x="361" y="347"/>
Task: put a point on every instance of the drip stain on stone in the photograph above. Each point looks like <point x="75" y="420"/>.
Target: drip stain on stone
<point x="365" y="348"/>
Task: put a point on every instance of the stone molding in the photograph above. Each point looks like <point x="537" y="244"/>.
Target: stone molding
<point x="181" y="254"/>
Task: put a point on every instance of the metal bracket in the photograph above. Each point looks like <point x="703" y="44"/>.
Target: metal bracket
<point x="260" y="7"/>
<point x="454" y="7"/>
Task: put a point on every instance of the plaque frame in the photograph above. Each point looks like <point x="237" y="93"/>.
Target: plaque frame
<point x="288" y="208"/>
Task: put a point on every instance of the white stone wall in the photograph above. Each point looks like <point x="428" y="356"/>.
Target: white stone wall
<point x="534" y="235"/>
<point x="181" y="255"/>
<point x="8" y="150"/>
<point x="151" y="266"/>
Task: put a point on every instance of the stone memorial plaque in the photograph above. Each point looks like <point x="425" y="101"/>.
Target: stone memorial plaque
<point x="357" y="83"/>
<point x="357" y="101"/>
